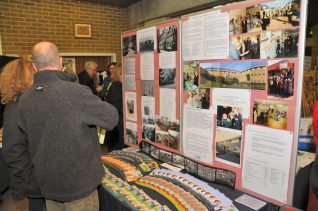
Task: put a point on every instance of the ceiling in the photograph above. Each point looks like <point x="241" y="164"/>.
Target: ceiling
<point x="119" y="3"/>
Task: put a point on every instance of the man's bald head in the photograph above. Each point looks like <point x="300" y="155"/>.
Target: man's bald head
<point x="45" y="56"/>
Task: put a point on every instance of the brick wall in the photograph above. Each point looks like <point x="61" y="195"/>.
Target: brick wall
<point x="26" y="22"/>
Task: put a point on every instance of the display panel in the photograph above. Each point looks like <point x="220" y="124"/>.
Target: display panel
<point x="250" y="92"/>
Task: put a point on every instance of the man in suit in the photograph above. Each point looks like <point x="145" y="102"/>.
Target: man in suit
<point x="86" y="77"/>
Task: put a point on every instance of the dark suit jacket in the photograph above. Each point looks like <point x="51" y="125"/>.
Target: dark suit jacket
<point x="86" y="80"/>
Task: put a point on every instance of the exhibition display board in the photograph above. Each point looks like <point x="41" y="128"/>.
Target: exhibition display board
<point x="151" y="85"/>
<point x="237" y="95"/>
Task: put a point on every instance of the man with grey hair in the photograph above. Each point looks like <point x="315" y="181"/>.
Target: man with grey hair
<point x="86" y="76"/>
<point x="63" y="142"/>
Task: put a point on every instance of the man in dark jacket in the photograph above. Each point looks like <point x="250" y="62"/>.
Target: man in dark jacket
<point x="86" y="77"/>
<point x="59" y="119"/>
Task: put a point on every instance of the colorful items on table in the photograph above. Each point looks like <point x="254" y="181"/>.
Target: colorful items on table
<point x="131" y="195"/>
<point x="130" y="172"/>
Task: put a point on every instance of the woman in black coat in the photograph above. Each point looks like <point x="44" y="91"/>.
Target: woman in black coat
<point x="115" y="139"/>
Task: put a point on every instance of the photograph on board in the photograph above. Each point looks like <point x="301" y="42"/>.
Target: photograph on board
<point x="199" y="98"/>
<point x="280" y="78"/>
<point x="206" y="172"/>
<point x="239" y="75"/>
<point x="190" y="166"/>
<point x="225" y="177"/>
<point x="154" y="152"/>
<point x="131" y="133"/>
<point x="148" y="110"/>
<point x="167" y="78"/>
<point x="270" y="113"/>
<point x="279" y="44"/>
<point x="245" y="20"/>
<point x="147" y="88"/>
<point x="178" y="161"/>
<point x="280" y="14"/>
<point x="167" y="132"/>
<point x="148" y="132"/>
<point x="165" y="156"/>
<point x="190" y="75"/>
<point x="229" y="117"/>
<point x="146" y="44"/>
<point x="228" y="146"/>
<point x="131" y="110"/>
<point x="146" y="147"/>
<point x="245" y="46"/>
<point x="129" y="46"/>
<point x="167" y="39"/>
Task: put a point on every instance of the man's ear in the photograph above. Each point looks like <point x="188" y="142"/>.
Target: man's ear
<point x="61" y="63"/>
<point x="34" y="67"/>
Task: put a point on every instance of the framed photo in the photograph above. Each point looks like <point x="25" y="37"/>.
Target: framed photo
<point x="83" y="30"/>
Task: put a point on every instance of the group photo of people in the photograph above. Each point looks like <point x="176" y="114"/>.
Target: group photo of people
<point x="279" y="44"/>
<point x="245" y="47"/>
<point x="281" y="78"/>
<point x="191" y="76"/>
<point x="199" y="98"/>
<point x="229" y="117"/>
<point x="270" y="113"/>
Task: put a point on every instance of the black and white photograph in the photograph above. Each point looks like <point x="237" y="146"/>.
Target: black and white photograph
<point x="167" y="78"/>
<point x="178" y="161"/>
<point x="131" y="133"/>
<point x="146" y="44"/>
<point x="167" y="132"/>
<point x="155" y="152"/>
<point x="148" y="132"/>
<point x="279" y="44"/>
<point x="229" y="117"/>
<point x="129" y="46"/>
<point x="191" y="167"/>
<point x="147" y="88"/>
<point x="165" y="156"/>
<point x="228" y="146"/>
<point x="146" y="147"/>
<point x="245" y="47"/>
<point x="131" y="106"/>
<point x="167" y="39"/>
<point x="206" y="172"/>
<point x="281" y="78"/>
<point x="280" y="14"/>
<point x="225" y="177"/>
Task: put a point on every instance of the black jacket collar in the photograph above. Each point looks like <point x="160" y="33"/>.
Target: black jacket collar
<point x="53" y="75"/>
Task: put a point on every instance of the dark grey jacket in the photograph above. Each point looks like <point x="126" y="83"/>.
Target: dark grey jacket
<point x="16" y="155"/>
<point x="59" y="119"/>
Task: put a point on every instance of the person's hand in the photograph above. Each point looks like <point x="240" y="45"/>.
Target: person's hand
<point x="99" y="88"/>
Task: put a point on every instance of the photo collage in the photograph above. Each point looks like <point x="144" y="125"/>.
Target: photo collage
<point x="263" y="54"/>
<point x="142" y="51"/>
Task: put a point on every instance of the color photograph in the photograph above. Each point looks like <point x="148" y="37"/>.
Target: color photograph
<point x="229" y="117"/>
<point x="191" y="167"/>
<point x="245" y="47"/>
<point x="167" y="39"/>
<point x="279" y="44"/>
<point x="148" y="132"/>
<point x="228" y="146"/>
<point x="280" y="78"/>
<point x="167" y="132"/>
<point x="280" y="14"/>
<point x="147" y="88"/>
<point x="245" y="20"/>
<point x="199" y="98"/>
<point x="239" y="75"/>
<point x="129" y="46"/>
<point x="167" y="78"/>
<point x="270" y="113"/>
<point x="190" y="75"/>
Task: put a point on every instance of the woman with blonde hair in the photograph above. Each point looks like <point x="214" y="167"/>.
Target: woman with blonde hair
<point x="115" y="138"/>
<point x="16" y="78"/>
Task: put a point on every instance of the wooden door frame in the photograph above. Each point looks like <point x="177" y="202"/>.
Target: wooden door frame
<point x="112" y="55"/>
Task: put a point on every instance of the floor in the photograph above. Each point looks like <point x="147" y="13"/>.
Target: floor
<point x="8" y="204"/>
